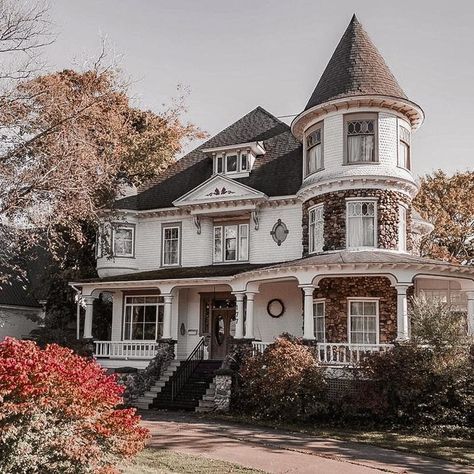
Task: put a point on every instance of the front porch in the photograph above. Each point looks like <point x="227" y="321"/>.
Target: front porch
<point x="345" y="312"/>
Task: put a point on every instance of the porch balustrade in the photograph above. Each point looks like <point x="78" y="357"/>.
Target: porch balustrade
<point x="125" y="349"/>
<point x="336" y="354"/>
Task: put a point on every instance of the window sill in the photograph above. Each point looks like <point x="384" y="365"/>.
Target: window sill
<point x="122" y="256"/>
<point x="177" y="265"/>
<point x="231" y="262"/>
<point x="359" y="163"/>
<point x="403" y="168"/>
<point x="314" y="172"/>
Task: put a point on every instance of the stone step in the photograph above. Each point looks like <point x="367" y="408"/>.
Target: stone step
<point x="203" y="409"/>
<point x="151" y="394"/>
<point x="208" y="398"/>
<point x="210" y="391"/>
<point x="206" y="403"/>
<point x="146" y="398"/>
<point x="142" y="406"/>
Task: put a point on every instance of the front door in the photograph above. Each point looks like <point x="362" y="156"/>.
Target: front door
<point x="222" y="324"/>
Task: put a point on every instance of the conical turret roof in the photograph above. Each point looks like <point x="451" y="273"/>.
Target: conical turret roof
<point x="355" y="68"/>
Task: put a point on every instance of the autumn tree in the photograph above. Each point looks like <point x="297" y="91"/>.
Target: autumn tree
<point x="447" y="202"/>
<point x="59" y="413"/>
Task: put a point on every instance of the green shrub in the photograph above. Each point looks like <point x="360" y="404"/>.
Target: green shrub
<point x="283" y="383"/>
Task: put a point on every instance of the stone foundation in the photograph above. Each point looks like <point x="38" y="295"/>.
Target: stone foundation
<point x="388" y="203"/>
<point x="335" y="291"/>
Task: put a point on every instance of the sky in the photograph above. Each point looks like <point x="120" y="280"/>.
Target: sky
<point x="236" y="55"/>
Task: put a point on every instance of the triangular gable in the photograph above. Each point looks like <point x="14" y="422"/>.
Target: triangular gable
<point x="216" y="189"/>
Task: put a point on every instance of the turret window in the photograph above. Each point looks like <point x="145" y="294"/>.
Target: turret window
<point x="404" y="148"/>
<point x="361" y="224"/>
<point x="314" y="151"/>
<point x="316" y="229"/>
<point x="361" y="139"/>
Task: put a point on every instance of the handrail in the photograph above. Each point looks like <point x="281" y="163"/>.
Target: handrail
<point x="186" y="369"/>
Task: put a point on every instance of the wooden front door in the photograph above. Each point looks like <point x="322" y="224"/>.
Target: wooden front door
<point x="222" y="321"/>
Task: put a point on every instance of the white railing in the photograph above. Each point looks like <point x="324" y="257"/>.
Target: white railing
<point x="347" y="354"/>
<point x="125" y="349"/>
<point x="333" y="353"/>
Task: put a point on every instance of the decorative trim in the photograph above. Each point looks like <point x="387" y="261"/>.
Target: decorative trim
<point x="220" y="192"/>
<point x="256" y="218"/>
<point x="197" y="223"/>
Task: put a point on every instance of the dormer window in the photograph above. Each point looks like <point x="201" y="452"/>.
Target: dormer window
<point x="361" y="138"/>
<point x="314" y="150"/>
<point x="235" y="161"/>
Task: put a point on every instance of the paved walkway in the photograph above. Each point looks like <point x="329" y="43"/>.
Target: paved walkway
<point x="280" y="452"/>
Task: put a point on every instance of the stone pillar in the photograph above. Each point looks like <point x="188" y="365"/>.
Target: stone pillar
<point x="168" y="299"/>
<point x="223" y="392"/>
<point x="308" y="312"/>
<point x="249" y="324"/>
<point x="89" y="300"/>
<point x="239" y="327"/>
<point x="470" y="312"/>
<point x="402" y="312"/>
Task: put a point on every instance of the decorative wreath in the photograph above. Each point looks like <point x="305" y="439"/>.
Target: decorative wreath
<point x="275" y="308"/>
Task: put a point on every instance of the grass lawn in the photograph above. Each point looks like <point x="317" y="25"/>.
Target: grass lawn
<point x="158" y="461"/>
<point x="451" y="449"/>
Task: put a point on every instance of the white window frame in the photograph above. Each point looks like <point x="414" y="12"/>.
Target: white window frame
<point x="131" y="305"/>
<point x="238" y="256"/>
<point x="323" y="317"/>
<point x="312" y="211"/>
<point x="358" y="117"/>
<point x="377" y="317"/>
<point x="165" y="227"/>
<point x="407" y="143"/>
<point x="115" y="228"/>
<point x="376" y="230"/>
<point x="319" y="126"/>
<point x="240" y="168"/>
<point x="402" y="227"/>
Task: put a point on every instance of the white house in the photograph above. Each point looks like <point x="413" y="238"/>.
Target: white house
<point x="267" y="229"/>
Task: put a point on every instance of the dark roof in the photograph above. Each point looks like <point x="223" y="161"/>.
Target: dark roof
<point x="17" y="293"/>
<point x="276" y="173"/>
<point x="355" y="68"/>
<point x="209" y="271"/>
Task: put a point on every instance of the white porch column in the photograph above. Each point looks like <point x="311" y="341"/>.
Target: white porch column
<point x="89" y="300"/>
<point x="402" y="312"/>
<point x="168" y="299"/>
<point x="239" y="304"/>
<point x="117" y="315"/>
<point x="308" y="312"/>
<point x="470" y="312"/>
<point x="249" y="324"/>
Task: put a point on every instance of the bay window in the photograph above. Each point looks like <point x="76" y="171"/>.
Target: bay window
<point x="404" y="148"/>
<point x="361" y="138"/>
<point x="319" y="320"/>
<point x="314" y="151"/>
<point x="123" y="240"/>
<point x="143" y="319"/>
<point x="171" y="245"/>
<point x="316" y="229"/>
<point x="231" y="242"/>
<point x="363" y="321"/>
<point x="361" y="223"/>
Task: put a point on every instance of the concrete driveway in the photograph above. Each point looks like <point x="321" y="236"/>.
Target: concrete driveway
<point x="279" y="452"/>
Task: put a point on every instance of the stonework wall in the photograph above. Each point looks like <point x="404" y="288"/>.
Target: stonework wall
<point x="335" y="291"/>
<point x="388" y="203"/>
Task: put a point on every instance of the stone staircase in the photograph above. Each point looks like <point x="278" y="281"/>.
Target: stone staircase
<point x="144" y="402"/>
<point x="198" y="389"/>
<point x="206" y="404"/>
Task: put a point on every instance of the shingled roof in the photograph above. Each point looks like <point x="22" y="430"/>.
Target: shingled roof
<point x="282" y="162"/>
<point x="355" y="68"/>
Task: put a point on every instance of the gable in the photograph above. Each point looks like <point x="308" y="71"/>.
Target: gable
<point x="277" y="173"/>
<point x="218" y="189"/>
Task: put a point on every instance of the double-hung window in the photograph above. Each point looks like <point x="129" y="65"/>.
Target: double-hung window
<point x="231" y="243"/>
<point x="361" y="139"/>
<point x="316" y="229"/>
<point x="361" y="223"/>
<point x="171" y="246"/>
<point x="402" y="228"/>
<point x="143" y="318"/>
<point x="319" y="320"/>
<point x="404" y="148"/>
<point x="232" y="163"/>
<point x="314" y="151"/>
<point x="123" y="240"/>
<point x="363" y="321"/>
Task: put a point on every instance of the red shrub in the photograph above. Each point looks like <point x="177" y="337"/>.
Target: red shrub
<point x="58" y="413"/>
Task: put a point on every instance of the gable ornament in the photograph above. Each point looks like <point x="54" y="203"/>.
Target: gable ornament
<point x="220" y="192"/>
<point x="279" y="232"/>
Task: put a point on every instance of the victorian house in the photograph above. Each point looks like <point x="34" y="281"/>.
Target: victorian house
<point x="267" y="229"/>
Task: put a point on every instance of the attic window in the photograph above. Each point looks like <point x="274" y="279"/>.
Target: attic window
<point x="232" y="163"/>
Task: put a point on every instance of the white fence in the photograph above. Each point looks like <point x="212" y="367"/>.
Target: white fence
<point x="125" y="349"/>
<point x="336" y="354"/>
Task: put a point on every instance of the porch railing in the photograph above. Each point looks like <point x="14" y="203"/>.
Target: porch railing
<point x="186" y="369"/>
<point x="125" y="349"/>
<point x="336" y="354"/>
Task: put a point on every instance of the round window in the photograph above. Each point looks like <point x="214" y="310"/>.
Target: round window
<point x="275" y="308"/>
